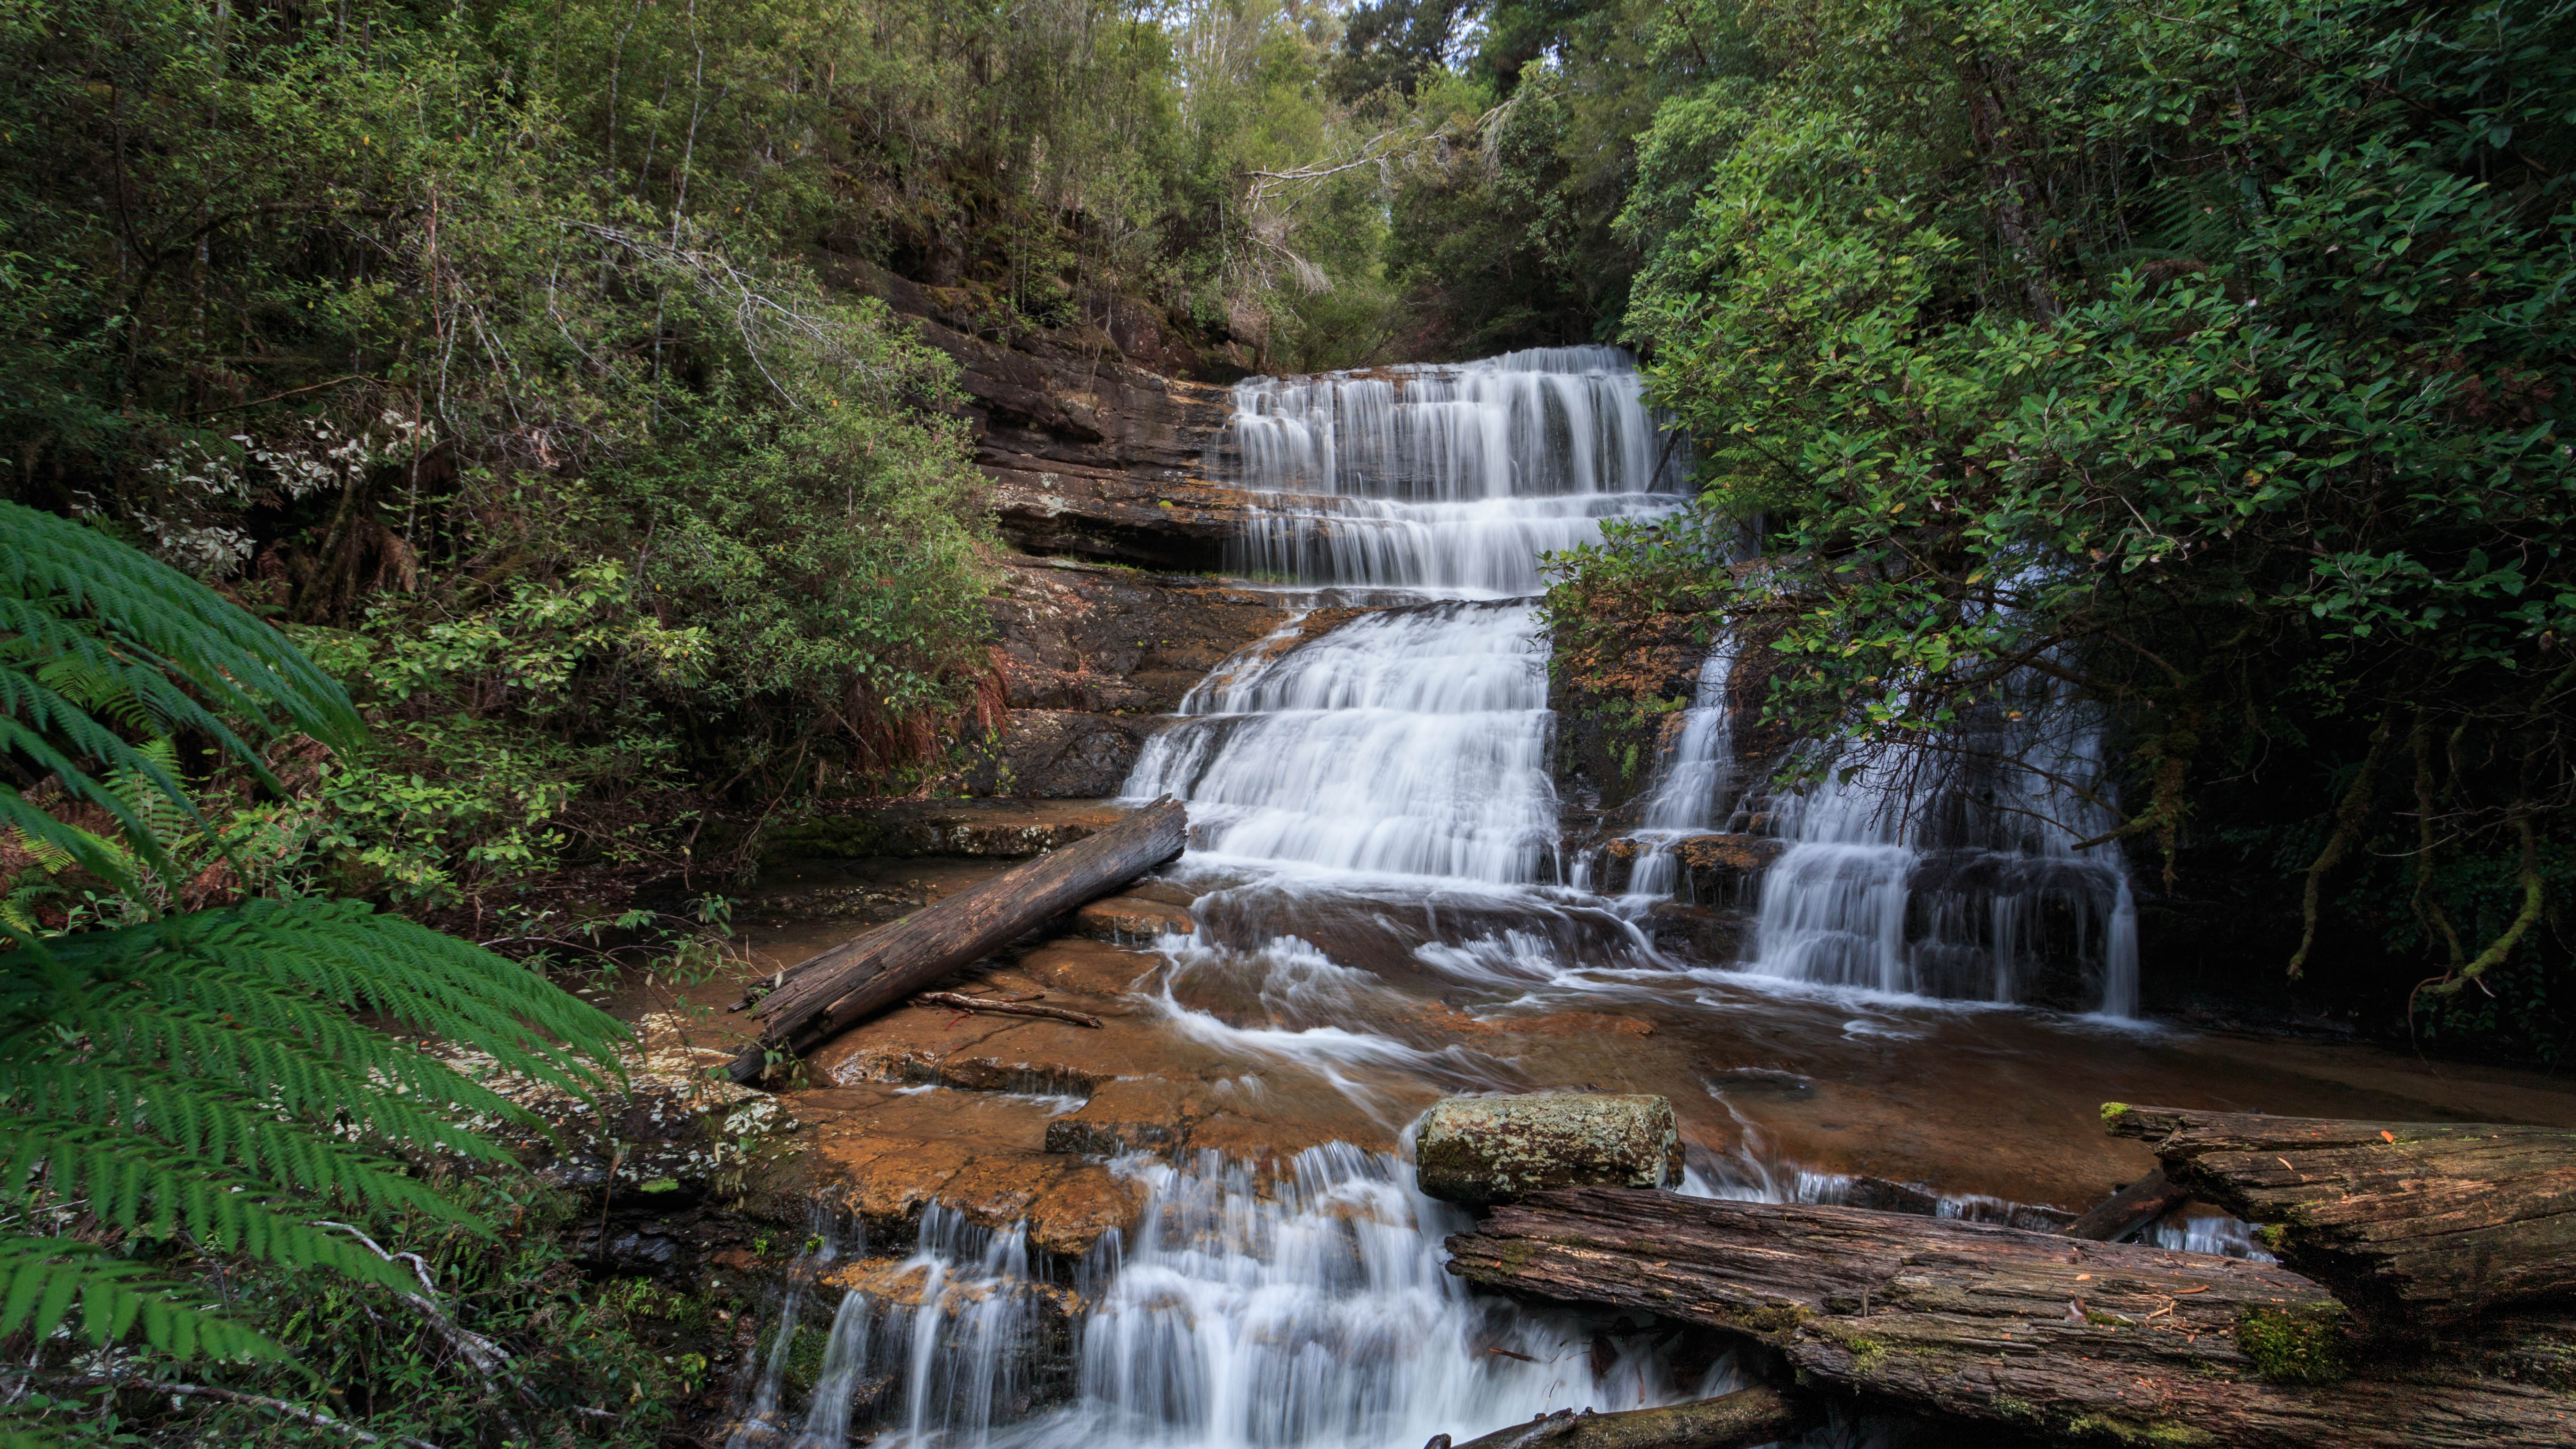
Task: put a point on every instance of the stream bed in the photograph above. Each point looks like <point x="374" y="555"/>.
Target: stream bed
<point x="1382" y="909"/>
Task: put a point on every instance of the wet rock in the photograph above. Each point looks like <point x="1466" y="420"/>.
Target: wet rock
<point x="1122" y="1117"/>
<point x="1479" y="1151"/>
<point x="1088" y="453"/>
<point x="1090" y="658"/>
<point x="1102" y="640"/>
<point x="1618" y="684"/>
<point x="1723" y="870"/>
<point x="1053" y="755"/>
<point x="1124" y="919"/>
<point x="887" y="1181"/>
<point x="1698" y="932"/>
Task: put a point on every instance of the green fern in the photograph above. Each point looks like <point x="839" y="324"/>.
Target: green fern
<point x="206" y="1074"/>
<point x="88" y="625"/>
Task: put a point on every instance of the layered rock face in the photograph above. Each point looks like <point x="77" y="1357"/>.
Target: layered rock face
<point x="1091" y="656"/>
<point x="1100" y="466"/>
<point x="1094" y="449"/>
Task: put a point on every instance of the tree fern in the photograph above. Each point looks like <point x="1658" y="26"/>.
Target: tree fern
<point x="89" y="626"/>
<point x="206" y="1074"/>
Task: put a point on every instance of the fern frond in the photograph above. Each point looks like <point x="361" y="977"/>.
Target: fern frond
<point x="42" y="1278"/>
<point x="176" y="621"/>
<point x="126" y="633"/>
<point x="308" y="1061"/>
<point x="143" y="1186"/>
<point x="166" y="821"/>
<point x="43" y="833"/>
<point x="208" y="1073"/>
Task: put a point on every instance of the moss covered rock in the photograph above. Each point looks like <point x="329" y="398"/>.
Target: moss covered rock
<point x="1478" y="1151"/>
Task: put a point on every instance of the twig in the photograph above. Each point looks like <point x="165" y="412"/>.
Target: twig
<point x="297" y="1412"/>
<point x="487" y="1357"/>
<point x="1005" y="1008"/>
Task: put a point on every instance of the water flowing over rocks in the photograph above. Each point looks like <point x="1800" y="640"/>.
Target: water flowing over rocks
<point x="1429" y="861"/>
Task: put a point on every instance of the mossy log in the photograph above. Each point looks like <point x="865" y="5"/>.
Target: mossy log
<point x="1739" y="1420"/>
<point x="2411" y="1223"/>
<point x="865" y="975"/>
<point x="2031" y="1331"/>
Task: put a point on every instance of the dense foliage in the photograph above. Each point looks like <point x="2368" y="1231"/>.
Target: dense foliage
<point x="2213" y="364"/>
<point x="527" y="360"/>
<point x="188" y="1082"/>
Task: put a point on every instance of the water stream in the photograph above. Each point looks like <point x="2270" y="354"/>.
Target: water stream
<point x="1374" y="822"/>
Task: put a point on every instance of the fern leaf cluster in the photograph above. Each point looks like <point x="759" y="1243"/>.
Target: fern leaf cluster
<point x="205" y="1074"/>
<point x="91" y="628"/>
<point x="212" y="1076"/>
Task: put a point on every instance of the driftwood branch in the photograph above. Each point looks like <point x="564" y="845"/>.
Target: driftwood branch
<point x="1006" y="1008"/>
<point x="2409" y="1222"/>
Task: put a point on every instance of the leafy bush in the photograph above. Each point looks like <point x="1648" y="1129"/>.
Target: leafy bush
<point x="2214" y="363"/>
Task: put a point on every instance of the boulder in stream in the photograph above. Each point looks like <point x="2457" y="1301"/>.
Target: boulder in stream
<point x="1479" y="1151"/>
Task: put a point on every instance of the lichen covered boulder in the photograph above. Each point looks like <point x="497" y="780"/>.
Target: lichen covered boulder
<point x="1478" y="1151"/>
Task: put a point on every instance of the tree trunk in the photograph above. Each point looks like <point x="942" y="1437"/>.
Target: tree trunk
<point x="2034" y="1332"/>
<point x="2124" y="1212"/>
<point x="1738" y="1420"/>
<point x="2409" y="1222"/>
<point x="865" y="975"/>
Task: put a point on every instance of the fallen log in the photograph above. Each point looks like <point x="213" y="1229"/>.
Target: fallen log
<point x="2409" y="1222"/>
<point x="863" y="976"/>
<point x="956" y="1002"/>
<point x="1738" y="1420"/>
<point x="2033" y="1332"/>
<point x="2123" y="1213"/>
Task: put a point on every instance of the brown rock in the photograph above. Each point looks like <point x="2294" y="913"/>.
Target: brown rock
<point x="1124" y="919"/>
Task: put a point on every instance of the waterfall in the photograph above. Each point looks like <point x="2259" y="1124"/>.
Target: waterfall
<point x="1952" y="871"/>
<point x="1694" y="780"/>
<point x="1414" y="740"/>
<point x="1451" y="479"/>
<point x="1311" y="1312"/>
<point x="1410" y="741"/>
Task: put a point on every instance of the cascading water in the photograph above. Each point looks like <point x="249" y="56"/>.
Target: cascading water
<point x="1696" y="778"/>
<point x="1412" y="741"/>
<point x="1953" y="871"/>
<point x="1307" y="1313"/>
<point x="1447" y="479"/>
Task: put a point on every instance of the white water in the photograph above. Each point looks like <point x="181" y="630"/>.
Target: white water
<point x="1415" y="741"/>
<point x="1452" y="479"/>
<point x="1695" y="779"/>
<point x="1956" y="874"/>
<point x="1412" y="741"/>
<point x="1308" y="1313"/>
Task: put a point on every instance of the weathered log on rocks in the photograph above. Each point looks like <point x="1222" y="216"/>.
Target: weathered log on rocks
<point x="865" y="975"/>
<point x="1484" y="1150"/>
<point x="2415" y="1222"/>
<point x="2032" y="1331"/>
<point x="2124" y="1212"/>
<point x="1738" y="1420"/>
